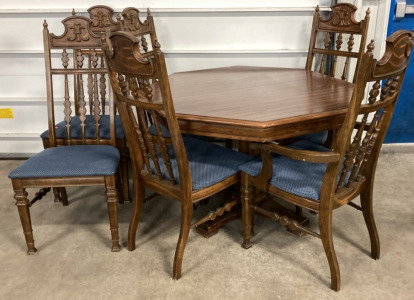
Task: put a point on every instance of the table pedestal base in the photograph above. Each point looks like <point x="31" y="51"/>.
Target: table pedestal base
<point x="211" y="227"/>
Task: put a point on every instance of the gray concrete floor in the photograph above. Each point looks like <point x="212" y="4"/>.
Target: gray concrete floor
<point x="75" y="262"/>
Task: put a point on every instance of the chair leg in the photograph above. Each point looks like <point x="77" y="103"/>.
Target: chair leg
<point x="22" y="204"/>
<point x="60" y="195"/>
<point x="56" y="192"/>
<point x="59" y="192"/>
<point x="186" y="217"/>
<point x="122" y="147"/>
<point x="111" y="201"/>
<point x="325" y="229"/>
<point x="63" y="196"/>
<point x="139" y="197"/>
<point x="247" y="212"/>
<point x="367" y="210"/>
<point x="119" y="186"/>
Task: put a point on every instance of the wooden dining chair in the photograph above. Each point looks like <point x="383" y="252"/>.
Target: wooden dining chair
<point x="81" y="107"/>
<point x="79" y="151"/>
<point x="321" y="179"/>
<point x="337" y="42"/>
<point x="62" y="166"/>
<point x="336" y="45"/>
<point x="185" y="169"/>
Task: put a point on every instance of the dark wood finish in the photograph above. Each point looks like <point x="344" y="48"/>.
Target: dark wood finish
<point x="354" y="153"/>
<point x="80" y="75"/>
<point x="335" y="37"/>
<point x="134" y="77"/>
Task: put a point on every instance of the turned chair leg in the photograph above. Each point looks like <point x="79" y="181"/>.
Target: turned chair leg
<point x="368" y="213"/>
<point x="111" y="200"/>
<point x="60" y="195"/>
<point x="186" y="217"/>
<point x="325" y="229"/>
<point x="22" y="204"/>
<point x="138" y="202"/>
<point x="247" y="193"/>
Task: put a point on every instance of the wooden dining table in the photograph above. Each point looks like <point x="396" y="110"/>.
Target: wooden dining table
<point x="256" y="104"/>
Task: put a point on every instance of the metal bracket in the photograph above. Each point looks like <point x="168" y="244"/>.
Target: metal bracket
<point x="401" y="9"/>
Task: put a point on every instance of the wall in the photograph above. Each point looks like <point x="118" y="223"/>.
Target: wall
<point x="193" y="34"/>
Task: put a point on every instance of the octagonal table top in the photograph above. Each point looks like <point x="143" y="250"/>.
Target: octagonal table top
<point x="257" y="103"/>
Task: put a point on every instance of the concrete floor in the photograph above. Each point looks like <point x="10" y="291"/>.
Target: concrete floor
<point x="75" y="262"/>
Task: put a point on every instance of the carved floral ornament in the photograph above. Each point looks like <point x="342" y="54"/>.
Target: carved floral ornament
<point x="100" y="20"/>
<point x="76" y="31"/>
<point x="341" y="17"/>
<point x="133" y="20"/>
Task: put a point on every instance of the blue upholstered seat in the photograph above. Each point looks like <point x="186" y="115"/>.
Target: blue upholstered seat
<point x="164" y="130"/>
<point x="209" y="163"/>
<point x="70" y="161"/>
<point x="297" y="177"/>
<point x="319" y="137"/>
<point x="89" y="128"/>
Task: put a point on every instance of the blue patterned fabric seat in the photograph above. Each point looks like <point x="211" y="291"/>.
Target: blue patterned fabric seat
<point x="70" y="161"/>
<point x="319" y="137"/>
<point x="164" y="130"/>
<point x="297" y="177"/>
<point x="89" y="128"/>
<point x="209" y="163"/>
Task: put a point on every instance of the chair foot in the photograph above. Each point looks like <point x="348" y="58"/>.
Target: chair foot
<point x="116" y="248"/>
<point x="368" y="213"/>
<point x="246" y="245"/>
<point x="335" y="285"/>
<point x="60" y="196"/>
<point x="131" y="247"/>
<point x="186" y="216"/>
<point x="325" y="229"/>
<point x="57" y="199"/>
<point x="32" y="251"/>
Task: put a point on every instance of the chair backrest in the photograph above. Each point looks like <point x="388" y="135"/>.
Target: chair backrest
<point x="143" y="97"/>
<point x="360" y="138"/>
<point x="102" y="18"/>
<point x="76" y="73"/>
<point x="332" y="47"/>
<point x="131" y="23"/>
